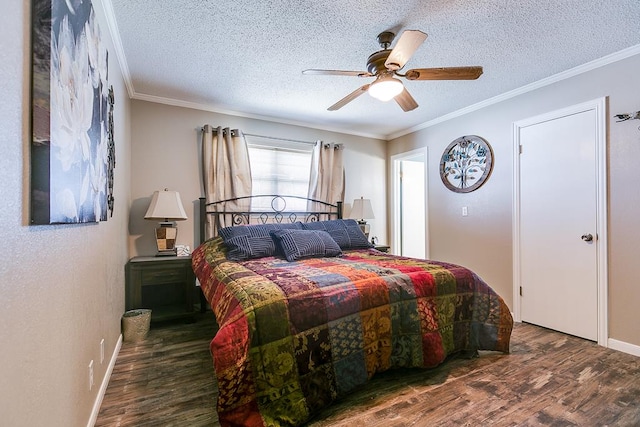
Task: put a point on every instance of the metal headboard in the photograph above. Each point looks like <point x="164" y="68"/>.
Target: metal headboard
<point x="239" y="211"/>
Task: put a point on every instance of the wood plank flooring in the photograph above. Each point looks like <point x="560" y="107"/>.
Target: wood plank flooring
<point x="165" y="380"/>
<point x="549" y="379"/>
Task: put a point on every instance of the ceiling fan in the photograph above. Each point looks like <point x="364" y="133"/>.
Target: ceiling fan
<point x="384" y="66"/>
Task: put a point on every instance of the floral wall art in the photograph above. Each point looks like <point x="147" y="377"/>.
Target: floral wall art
<point x="69" y="114"/>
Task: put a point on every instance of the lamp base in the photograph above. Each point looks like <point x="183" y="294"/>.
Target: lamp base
<point x="364" y="227"/>
<point x="166" y="235"/>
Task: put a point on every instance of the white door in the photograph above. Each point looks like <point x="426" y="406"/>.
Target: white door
<point x="412" y="219"/>
<point x="560" y="231"/>
<point x="410" y="213"/>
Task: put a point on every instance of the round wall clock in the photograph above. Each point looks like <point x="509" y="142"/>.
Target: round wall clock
<point x="466" y="164"/>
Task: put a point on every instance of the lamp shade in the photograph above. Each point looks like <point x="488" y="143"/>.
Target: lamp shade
<point x="166" y="205"/>
<point x="385" y="88"/>
<point x="361" y="209"/>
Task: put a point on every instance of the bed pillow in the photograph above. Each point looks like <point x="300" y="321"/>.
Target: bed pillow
<point x="346" y="232"/>
<point x="252" y="241"/>
<point x="297" y="244"/>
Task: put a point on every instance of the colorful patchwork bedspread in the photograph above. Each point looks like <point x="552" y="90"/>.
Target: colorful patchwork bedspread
<point x="295" y="336"/>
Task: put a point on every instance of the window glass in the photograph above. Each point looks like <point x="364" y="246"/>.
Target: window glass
<point x="281" y="170"/>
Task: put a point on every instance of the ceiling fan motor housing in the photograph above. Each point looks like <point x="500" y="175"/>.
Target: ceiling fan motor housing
<point x="375" y="63"/>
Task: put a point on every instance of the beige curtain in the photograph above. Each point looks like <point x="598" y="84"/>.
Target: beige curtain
<point x="326" y="182"/>
<point x="226" y="171"/>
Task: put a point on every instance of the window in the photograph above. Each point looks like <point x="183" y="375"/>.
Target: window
<point x="280" y="167"/>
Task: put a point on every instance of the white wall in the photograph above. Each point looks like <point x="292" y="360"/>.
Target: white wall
<point x="483" y="240"/>
<point x="165" y="154"/>
<point x="61" y="287"/>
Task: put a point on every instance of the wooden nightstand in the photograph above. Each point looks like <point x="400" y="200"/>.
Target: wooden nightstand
<point x="166" y="285"/>
<point x="381" y="248"/>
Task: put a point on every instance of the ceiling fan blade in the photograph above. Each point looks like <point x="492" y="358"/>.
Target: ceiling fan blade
<point x="347" y="99"/>
<point x="409" y="42"/>
<point x="406" y="101"/>
<point x="449" y="73"/>
<point x="316" y="72"/>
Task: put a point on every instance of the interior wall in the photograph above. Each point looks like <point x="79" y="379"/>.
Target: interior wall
<point x="165" y="153"/>
<point x="62" y="286"/>
<point x="483" y="239"/>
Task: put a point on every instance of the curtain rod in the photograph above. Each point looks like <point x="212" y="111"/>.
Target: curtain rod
<point x="264" y="136"/>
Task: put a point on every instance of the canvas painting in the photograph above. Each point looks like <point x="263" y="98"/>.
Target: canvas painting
<point x="69" y="114"/>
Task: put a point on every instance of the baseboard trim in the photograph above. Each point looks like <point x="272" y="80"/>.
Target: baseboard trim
<point x="624" y="347"/>
<point x="105" y="383"/>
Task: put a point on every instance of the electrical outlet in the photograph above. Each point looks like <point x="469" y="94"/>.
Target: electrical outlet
<point x="465" y="211"/>
<point x="90" y="375"/>
<point x="101" y="351"/>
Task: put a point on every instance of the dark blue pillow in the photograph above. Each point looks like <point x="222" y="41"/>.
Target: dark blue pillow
<point x="297" y="244"/>
<point x="252" y="241"/>
<point x="346" y="232"/>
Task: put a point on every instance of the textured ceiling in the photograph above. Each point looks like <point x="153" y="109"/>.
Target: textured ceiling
<point x="246" y="57"/>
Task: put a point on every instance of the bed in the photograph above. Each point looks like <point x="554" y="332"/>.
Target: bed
<point x="305" y="319"/>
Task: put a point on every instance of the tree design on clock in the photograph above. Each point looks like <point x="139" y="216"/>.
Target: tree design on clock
<point x="466" y="164"/>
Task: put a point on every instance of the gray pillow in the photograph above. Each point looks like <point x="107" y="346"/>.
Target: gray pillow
<point x="346" y="232"/>
<point x="252" y="241"/>
<point x="298" y="244"/>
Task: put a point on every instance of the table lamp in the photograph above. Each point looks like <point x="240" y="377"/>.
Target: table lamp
<point x="166" y="206"/>
<point x="361" y="211"/>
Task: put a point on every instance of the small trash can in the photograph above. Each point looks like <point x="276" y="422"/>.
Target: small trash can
<point x="135" y="324"/>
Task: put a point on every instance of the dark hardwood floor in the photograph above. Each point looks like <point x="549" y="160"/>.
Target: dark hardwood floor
<point x="549" y="379"/>
<point x="165" y="380"/>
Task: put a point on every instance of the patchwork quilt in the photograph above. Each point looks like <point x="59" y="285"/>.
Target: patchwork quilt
<point x="295" y="336"/>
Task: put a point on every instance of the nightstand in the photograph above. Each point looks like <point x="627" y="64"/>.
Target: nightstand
<point x="166" y="285"/>
<point x="381" y="248"/>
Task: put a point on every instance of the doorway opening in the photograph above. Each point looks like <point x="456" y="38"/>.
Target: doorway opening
<point x="409" y="234"/>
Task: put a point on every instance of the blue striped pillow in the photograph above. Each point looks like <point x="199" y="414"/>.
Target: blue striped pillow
<point x="252" y="241"/>
<point x="297" y="244"/>
<point x="346" y="232"/>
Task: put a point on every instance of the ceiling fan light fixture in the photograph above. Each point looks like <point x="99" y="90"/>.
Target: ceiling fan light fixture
<point x="386" y="88"/>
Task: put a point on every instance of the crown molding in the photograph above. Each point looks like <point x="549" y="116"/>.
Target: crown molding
<point x="205" y="107"/>
<point x="112" y="25"/>
<point x="572" y="72"/>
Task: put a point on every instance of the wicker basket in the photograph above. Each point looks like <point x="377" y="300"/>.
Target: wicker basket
<point x="135" y="324"/>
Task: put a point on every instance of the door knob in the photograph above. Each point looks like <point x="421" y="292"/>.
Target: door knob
<point x="587" y="237"/>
